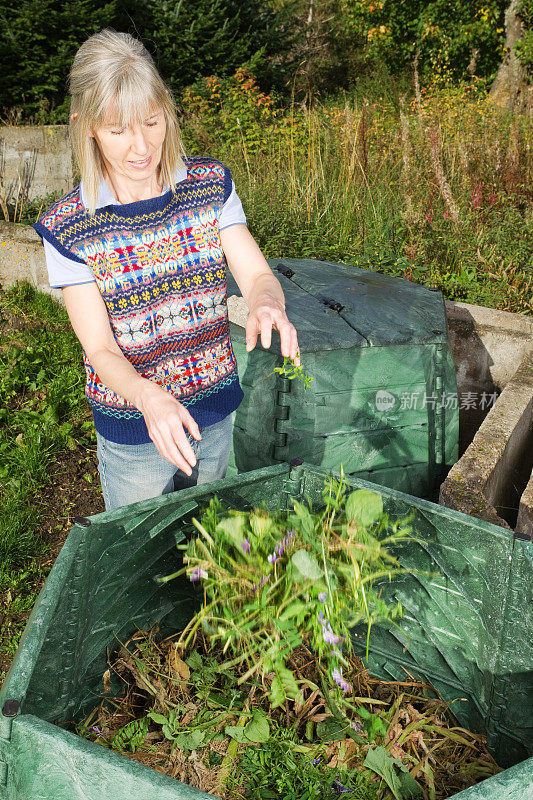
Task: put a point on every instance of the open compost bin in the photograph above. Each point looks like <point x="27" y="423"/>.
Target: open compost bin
<point x="468" y="631"/>
<point x="383" y="401"/>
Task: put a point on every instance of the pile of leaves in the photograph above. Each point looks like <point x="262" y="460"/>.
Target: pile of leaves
<point x="260" y="695"/>
<point x="187" y="716"/>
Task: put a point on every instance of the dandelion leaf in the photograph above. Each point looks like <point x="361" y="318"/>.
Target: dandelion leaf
<point x="189" y="741"/>
<point x="195" y="660"/>
<point x="258" y="729"/>
<point x="364" y="507"/>
<point x="277" y="694"/>
<point x="159" y="719"/>
<point x="233" y="529"/>
<point x="330" y="730"/>
<point x="394" y="773"/>
<point x="288" y="681"/>
<point x="306" y="565"/>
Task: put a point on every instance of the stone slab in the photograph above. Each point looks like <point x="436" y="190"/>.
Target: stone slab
<point x="489" y="478"/>
<point x="35" y="161"/>
<point x="524" y="523"/>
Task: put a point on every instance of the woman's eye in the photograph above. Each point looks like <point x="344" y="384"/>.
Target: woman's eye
<point x="151" y="124"/>
<point x="117" y="133"/>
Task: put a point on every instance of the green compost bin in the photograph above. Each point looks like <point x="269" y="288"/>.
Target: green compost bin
<point x="383" y="401"/>
<point x="468" y="630"/>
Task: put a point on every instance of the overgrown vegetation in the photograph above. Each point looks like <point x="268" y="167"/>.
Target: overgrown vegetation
<point x="435" y="189"/>
<point x="43" y="420"/>
<point x="300" y="48"/>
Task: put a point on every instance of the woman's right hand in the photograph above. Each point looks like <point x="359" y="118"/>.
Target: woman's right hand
<point x="167" y="419"/>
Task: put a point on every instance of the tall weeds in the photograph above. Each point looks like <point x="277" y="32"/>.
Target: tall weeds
<point x="436" y="188"/>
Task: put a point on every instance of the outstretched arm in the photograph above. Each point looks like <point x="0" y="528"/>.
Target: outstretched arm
<point x="261" y="290"/>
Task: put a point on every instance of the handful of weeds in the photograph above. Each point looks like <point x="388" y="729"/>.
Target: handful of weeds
<point x="276" y="580"/>
<point x="290" y="371"/>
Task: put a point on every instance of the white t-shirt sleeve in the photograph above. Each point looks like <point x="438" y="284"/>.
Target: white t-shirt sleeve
<point x="232" y="211"/>
<point x="63" y="271"/>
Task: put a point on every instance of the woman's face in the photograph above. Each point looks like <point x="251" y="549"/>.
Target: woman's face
<point x="133" y="152"/>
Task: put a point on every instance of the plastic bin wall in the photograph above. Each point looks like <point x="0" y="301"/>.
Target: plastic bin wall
<point x="383" y="401"/>
<point x="469" y="631"/>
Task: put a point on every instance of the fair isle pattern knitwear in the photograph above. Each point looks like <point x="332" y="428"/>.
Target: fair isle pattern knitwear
<point x="161" y="271"/>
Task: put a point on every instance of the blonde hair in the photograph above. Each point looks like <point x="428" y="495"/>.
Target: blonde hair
<point x="114" y="70"/>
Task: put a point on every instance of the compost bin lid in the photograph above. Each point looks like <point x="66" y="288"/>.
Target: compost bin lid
<point x="319" y="327"/>
<point x="336" y="306"/>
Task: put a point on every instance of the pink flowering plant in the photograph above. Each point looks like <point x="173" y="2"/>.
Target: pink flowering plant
<point x="273" y="581"/>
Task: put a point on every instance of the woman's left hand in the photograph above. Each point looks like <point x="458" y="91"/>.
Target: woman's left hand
<point x="267" y="313"/>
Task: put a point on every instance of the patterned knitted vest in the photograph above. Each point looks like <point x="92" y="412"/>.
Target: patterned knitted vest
<point x="161" y="271"/>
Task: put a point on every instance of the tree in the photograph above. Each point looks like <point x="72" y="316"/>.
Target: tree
<point x="510" y="87"/>
<point x="38" y="40"/>
<point x="454" y="40"/>
<point x="191" y="39"/>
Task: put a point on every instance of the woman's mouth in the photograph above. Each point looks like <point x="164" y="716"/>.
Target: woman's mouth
<point x="141" y="164"/>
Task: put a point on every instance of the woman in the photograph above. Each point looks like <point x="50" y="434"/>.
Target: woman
<point x="140" y="249"/>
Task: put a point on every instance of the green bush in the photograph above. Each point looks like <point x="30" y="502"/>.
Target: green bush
<point x="38" y="39"/>
<point x="453" y="39"/>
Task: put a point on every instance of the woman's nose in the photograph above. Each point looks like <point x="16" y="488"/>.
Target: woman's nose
<point x="139" y="142"/>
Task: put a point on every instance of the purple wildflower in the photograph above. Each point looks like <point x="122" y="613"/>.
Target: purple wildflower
<point x="339" y="787"/>
<point x="198" y="573"/>
<point x="322" y="597"/>
<point x="316" y="761"/>
<point x="95" y="729"/>
<point x="328" y="635"/>
<point x="336" y="674"/>
<point x="356" y="727"/>
<point x="281" y="547"/>
<point x="246" y="546"/>
<point x="321" y="618"/>
<point x="264" y="579"/>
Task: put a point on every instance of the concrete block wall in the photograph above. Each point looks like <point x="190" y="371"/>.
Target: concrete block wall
<point x="35" y="160"/>
<point x="22" y="258"/>
<point x="490" y="481"/>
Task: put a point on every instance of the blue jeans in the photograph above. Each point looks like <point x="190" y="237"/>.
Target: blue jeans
<point x="133" y="472"/>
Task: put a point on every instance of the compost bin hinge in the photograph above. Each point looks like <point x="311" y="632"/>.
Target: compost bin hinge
<point x="439" y="409"/>
<point x="293" y="487"/>
<point x="286" y="271"/>
<point x="333" y="304"/>
<point x="281" y="417"/>
<point x="10" y="709"/>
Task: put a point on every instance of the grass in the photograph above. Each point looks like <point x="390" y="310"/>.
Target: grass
<point x="43" y="422"/>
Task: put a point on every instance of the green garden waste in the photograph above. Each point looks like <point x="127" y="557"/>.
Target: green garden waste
<point x="383" y="400"/>
<point x="468" y="630"/>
